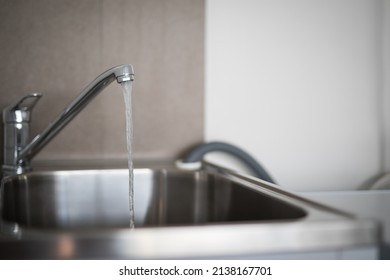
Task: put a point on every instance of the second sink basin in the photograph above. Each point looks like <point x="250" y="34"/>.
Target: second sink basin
<point x="100" y="199"/>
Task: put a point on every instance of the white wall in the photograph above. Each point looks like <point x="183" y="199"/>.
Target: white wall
<point x="299" y="85"/>
<point x="386" y="85"/>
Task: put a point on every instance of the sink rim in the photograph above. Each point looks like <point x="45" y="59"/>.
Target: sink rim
<point x="211" y="241"/>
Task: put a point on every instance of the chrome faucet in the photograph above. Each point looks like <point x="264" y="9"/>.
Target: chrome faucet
<point x="18" y="151"/>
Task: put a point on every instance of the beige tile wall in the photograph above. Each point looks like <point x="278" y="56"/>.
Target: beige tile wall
<point x="58" y="46"/>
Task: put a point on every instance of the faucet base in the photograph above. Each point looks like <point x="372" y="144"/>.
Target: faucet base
<point x="8" y="170"/>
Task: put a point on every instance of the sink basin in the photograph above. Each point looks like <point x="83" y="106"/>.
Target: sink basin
<point x="100" y="198"/>
<point x="212" y="212"/>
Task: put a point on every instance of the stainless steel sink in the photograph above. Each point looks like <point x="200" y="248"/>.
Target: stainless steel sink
<point x="100" y="198"/>
<point x="178" y="214"/>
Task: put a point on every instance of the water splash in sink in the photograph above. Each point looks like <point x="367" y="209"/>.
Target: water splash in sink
<point x="127" y="88"/>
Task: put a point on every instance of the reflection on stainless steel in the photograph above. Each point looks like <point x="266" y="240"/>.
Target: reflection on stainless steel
<point x="179" y="214"/>
<point x="66" y="247"/>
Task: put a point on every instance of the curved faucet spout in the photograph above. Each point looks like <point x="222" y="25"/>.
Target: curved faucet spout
<point x="121" y="73"/>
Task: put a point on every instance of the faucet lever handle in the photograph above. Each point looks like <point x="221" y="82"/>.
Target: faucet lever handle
<point x="26" y="103"/>
<point x="20" y="110"/>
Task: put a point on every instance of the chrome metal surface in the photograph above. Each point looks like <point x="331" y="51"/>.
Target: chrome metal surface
<point x="179" y="214"/>
<point x="18" y="154"/>
<point x="16" y="123"/>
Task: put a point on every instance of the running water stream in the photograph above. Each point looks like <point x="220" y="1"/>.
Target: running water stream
<point x="127" y="87"/>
